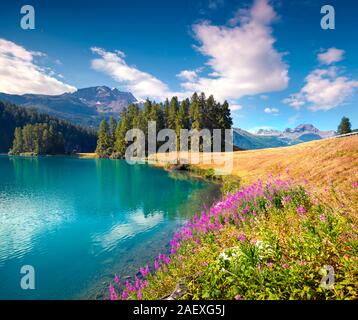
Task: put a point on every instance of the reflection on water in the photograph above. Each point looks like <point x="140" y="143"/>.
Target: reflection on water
<point x="79" y="221"/>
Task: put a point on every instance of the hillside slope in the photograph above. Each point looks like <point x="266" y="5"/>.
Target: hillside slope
<point x="323" y="163"/>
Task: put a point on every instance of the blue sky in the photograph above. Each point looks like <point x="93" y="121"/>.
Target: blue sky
<point x="270" y="59"/>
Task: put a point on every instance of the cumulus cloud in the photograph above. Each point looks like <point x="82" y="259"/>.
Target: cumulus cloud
<point x="325" y="88"/>
<point x="141" y="84"/>
<point x="330" y="56"/>
<point x="242" y="61"/>
<point x="235" y="107"/>
<point x="254" y="130"/>
<point x="189" y="75"/>
<point x="19" y="74"/>
<point x="242" y="57"/>
<point x="271" y="110"/>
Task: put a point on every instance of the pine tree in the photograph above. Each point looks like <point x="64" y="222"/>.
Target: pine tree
<point x="173" y="109"/>
<point x="166" y="113"/>
<point x="345" y="126"/>
<point x="112" y="133"/>
<point x="17" y="147"/>
<point x="121" y="143"/>
<point x="182" y="120"/>
<point x="194" y="112"/>
<point x="103" y="140"/>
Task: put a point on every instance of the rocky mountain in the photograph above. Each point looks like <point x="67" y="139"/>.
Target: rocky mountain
<point x="264" y="138"/>
<point x="85" y="106"/>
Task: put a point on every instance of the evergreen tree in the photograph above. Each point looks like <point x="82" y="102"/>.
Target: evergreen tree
<point x="18" y="142"/>
<point x="195" y="113"/>
<point x="103" y="144"/>
<point x="182" y="120"/>
<point x="75" y="138"/>
<point x="121" y="143"/>
<point x="345" y="126"/>
<point x="112" y="132"/>
<point x="173" y="109"/>
<point x="166" y="113"/>
<point x="38" y="139"/>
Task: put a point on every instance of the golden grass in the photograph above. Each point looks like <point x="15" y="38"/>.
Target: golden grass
<point x="329" y="163"/>
<point x="87" y="155"/>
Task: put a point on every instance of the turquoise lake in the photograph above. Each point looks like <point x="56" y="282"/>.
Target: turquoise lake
<point x="80" y="221"/>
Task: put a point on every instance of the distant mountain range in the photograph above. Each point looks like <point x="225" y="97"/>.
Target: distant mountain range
<point x="274" y="138"/>
<point x="85" y="106"/>
<point x="88" y="106"/>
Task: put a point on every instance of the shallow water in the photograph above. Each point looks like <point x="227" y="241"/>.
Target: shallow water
<point x="80" y="221"/>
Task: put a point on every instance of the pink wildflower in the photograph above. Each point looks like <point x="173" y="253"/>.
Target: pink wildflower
<point x="116" y="279"/>
<point x="139" y="295"/>
<point x="242" y="237"/>
<point x="124" y="295"/>
<point x="112" y="292"/>
<point x="323" y="218"/>
<point x="301" y="210"/>
<point x="156" y="265"/>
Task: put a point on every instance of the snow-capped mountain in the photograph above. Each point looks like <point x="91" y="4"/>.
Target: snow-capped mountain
<point x="267" y="138"/>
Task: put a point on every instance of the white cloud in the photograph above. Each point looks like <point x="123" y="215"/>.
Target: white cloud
<point x="295" y="100"/>
<point x="254" y="130"/>
<point x="264" y="97"/>
<point x="189" y="75"/>
<point x="141" y="84"/>
<point x="242" y="57"/>
<point x="271" y="110"/>
<point x="330" y="56"/>
<point x="19" y="74"/>
<point x="235" y="107"/>
<point x="242" y="60"/>
<point x="324" y="89"/>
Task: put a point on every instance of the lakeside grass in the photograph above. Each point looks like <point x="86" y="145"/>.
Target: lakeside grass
<point x="265" y="241"/>
<point x="273" y="239"/>
<point x="322" y="165"/>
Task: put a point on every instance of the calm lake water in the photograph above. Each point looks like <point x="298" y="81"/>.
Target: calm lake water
<point x="80" y="221"/>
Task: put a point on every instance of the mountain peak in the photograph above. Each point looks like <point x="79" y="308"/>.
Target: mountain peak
<point x="306" y="127"/>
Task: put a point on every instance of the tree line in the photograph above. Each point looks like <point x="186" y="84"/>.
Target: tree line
<point x="198" y="113"/>
<point x="76" y="138"/>
<point x="38" y="139"/>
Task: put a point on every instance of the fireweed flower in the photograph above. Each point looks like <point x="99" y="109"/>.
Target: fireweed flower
<point x="238" y="297"/>
<point x="116" y="279"/>
<point x="323" y="218"/>
<point x="144" y="271"/>
<point x="302" y="263"/>
<point x="235" y="208"/>
<point x="301" y="210"/>
<point x="286" y="200"/>
<point x="112" y="292"/>
<point x="139" y="295"/>
<point x="242" y="237"/>
<point x="355" y="184"/>
<point x="124" y="295"/>
<point x="156" y="265"/>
